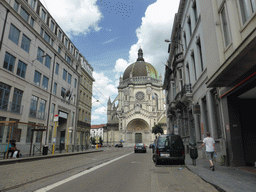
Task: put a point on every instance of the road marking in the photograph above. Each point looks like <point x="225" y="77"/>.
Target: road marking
<point x="49" y="187"/>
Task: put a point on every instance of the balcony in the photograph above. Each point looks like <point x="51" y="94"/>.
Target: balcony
<point x="186" y="93"/>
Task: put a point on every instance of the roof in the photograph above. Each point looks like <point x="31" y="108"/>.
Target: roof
<point x="97" y="126"/>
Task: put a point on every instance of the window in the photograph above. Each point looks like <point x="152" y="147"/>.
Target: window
<point x="14" y="34"/>
<point x="52" y="41"/>
<point x="40" y="54"/>
<point x="59" y="34"/>
<point x="33" y="106"/>
<point x="64" y="74"/>
<point x="2" y="128"/>
<point x="24" y="14"/>
<point x="52" y="111"/>
<point x="71" y="49"/>
<point x="195" y="10"/>
<point x="4" y="95"/>
<point x="9" y="62"/>
<point x="68" y="59"/>
<point x="69" y="78"/>
<point x="185" y="39"/>
<point x="188" y="73"/>
<point x="66" y="42"/>
<point x="50" y="134"/>
<point x="33" y="3"/>
<point x="57" y="68"/>
<point x="42" y="32"/>
<point x="37" y="78"/>
<point x="76" y="55"/>
<point x="16" y="100"/>
<point x="45" y="82"/>
<point x="55" y="88"/>
<point x="75" y="83"/>
<point x="47" y="37"/>
<point x="72" y="119"/>
<point x="225" y="27"/>
<point x="32" y="21"/>
<point x="247" y="7"/>
<point x="200" y="52"/>
<point x="29" y="132"/>
<point x="25" y="43"/>
<point x="41" y="112"/>
<point x="16" y="6"/>
<point x="39" y="136"/>
<point x="48" y="61"/>
<point x="189" y="26"/>
<point x="63" y="92"/>
<point x="59" y="50"/>
<point x="52" y="26"/>
<point x="194" y="63"/>
<point x="43" y="15"/>
<point x="21" y="70"/>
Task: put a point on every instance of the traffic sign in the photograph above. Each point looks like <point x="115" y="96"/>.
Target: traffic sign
<point x="56" y="118"/>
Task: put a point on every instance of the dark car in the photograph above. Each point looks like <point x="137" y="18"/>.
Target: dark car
<point x="169" y="148"/>
<point x="120" y="145"/>
<point x="140" y="147"/>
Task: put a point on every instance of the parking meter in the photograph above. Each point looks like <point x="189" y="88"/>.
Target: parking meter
<point x="193" y="152"/>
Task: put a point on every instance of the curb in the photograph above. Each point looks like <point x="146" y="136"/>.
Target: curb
<point x="20" y="160"/>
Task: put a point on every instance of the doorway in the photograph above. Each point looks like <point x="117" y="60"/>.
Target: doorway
<point x="138" y="137"/>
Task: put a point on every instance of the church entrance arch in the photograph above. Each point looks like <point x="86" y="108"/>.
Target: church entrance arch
<point x="138" y="129"/>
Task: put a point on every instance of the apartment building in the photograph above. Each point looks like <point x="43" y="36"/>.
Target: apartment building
<point x="85" y="104"/>
<point x="210" y="77"/>
<point x="39" y="73"/>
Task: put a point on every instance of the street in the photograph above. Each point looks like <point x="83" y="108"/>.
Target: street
<point x="114" y="169"/>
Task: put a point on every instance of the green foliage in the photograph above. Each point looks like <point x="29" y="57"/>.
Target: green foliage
<point x="157" y="129"/>
<point x="101" y="141"/>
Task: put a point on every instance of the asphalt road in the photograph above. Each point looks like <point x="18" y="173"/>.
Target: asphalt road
<point x="115" y="169"/>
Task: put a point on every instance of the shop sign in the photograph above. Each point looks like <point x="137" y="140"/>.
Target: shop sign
<point x="196" y="109"/>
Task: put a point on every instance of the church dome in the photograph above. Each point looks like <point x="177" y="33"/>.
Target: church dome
<point x="140" y="68"/>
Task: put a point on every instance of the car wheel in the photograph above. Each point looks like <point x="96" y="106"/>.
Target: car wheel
<point x="157" y="162"/>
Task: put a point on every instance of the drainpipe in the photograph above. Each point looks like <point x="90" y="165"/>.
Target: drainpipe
<point x="2" y="38"/>
<point x="50" y="99"/>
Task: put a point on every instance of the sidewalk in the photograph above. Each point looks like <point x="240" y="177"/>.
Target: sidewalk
<point x="41" y="157"/>
<point x="235" y="179"/>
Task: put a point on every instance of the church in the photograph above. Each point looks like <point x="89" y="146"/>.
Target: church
<point x="138" y="106"/>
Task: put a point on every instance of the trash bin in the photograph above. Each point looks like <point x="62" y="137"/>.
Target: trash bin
<point x="193" y="152"/>
<point x="45" y="150"/>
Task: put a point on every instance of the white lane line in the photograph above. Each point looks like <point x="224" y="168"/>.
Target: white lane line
<point x="49" y="187"/>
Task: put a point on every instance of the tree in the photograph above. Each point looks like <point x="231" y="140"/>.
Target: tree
<point x="101" y="141"/>
<point x="157" y="129"/>
<point x="93" y="140"/>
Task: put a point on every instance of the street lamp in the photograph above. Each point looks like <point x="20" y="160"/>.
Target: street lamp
<point x="38" y="58"/>
<point x="172" y="41"/>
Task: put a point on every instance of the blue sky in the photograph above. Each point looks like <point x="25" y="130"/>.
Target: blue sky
<point x="109" y="33"/>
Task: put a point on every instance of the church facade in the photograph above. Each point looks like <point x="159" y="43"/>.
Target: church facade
<point x="138" y="106"/>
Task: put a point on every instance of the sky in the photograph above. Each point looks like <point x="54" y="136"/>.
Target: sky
<point x="108" y="33"/>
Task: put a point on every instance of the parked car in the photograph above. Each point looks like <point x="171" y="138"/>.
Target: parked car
<point x="120" y="145"/>
<point x="169" y="148"/>
<point x="140" y="147"/>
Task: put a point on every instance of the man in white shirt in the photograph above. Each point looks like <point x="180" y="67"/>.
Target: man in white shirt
<point x="210" y="148"/>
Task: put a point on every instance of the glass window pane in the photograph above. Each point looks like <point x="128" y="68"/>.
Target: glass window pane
<point x="55" y="89"/>
<point x="9" y="62"/>
<point x="64" y="74"/>
<point x="14" y="34"/>
<point x="40" y="54"/>
<point x="225" y="27"/>
<point x="22" y="67"/>
<point x="57" y="69"/>
<point x="16" y="101"/>
<point x="16" y="6"/>
<point x="48" y="61"/>
<point x="37" y="78"/>
<point x="33" y="106"/>
<point x="47" y="37"/>
<point x="45" y="82"/>
<point x="24" y="14"/>
<point x="25" y="44"/>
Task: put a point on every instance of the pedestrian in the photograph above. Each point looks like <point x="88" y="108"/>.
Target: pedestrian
<point x="8" y="149"/>
<point x="210" y="148"/>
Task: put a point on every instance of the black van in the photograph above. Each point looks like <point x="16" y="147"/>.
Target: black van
<point x="169" y="148"/>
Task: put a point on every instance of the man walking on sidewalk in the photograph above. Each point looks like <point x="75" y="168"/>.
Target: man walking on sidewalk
<point x="210" y="148"/>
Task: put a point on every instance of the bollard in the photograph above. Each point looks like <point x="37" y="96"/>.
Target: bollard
<point x="96" y="146"/>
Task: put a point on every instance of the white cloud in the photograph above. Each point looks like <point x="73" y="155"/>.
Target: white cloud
<point x="76" y="16"/>
<point x="156" y="26"/>
<point x="109" y="41"/>
<point x="121" y="65"/>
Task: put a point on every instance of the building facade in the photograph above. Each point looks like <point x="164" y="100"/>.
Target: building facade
<point x="39" y="73"/>
<point x="85" y="104"/>
<point x="138" y="106"/>
<point x="210" y="58"/>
